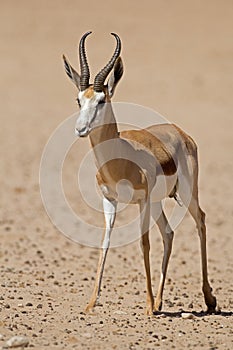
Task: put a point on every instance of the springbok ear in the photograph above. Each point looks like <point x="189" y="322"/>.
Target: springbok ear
<point x="115" y="76"/>
<point x="71" y="72"/>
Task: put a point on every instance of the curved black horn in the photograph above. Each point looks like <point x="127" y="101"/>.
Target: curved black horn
<point x="85" y="73"/>
<point x="102" y="75"/>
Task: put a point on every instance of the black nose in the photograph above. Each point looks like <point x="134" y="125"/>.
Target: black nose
<point x="82" y="132"/>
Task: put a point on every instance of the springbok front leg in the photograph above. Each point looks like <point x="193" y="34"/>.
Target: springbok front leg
<point x="109" y="214"/>
<point x="145" y="245"/>
<point x="167" y="235"/>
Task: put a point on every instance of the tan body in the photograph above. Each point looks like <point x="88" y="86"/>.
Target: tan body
<point x="141" y="167"/>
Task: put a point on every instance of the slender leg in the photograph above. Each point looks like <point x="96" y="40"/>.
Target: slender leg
<point x="109" y="214"/>
<point x="145" y="245"/>
<point x="167" y="235"/>
<point x="199" y="217"/>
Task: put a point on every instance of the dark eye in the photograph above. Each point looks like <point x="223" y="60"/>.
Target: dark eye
<point x="78" y="102"/>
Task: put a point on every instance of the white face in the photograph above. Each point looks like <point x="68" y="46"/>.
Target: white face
<point x="91" y="105"/>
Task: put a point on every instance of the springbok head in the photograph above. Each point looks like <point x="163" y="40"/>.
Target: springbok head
<point x="93" y="97"/>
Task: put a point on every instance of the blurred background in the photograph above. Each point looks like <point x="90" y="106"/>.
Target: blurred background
<point x="178" y="59"/>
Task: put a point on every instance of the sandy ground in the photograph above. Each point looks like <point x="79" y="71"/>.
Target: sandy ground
<point x="178" y="60"/>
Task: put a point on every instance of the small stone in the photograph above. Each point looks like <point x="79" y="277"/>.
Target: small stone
<point x="170" y="303"/>
<point x="68" y="331"/>
<point x="87" y="335"/>
<point x="16" y="341"/>
<point x="29" y="304"/>
<point x="180" y="303"/>
<point x="119" y="312"/>
<point x="154" y="335"/>
<point x="187" y="316"/>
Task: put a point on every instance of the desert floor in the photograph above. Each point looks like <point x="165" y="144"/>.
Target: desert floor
<point x="178" y="59"/>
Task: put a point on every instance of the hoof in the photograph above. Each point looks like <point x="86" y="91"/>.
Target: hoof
<point x="157" y="307"/>
<point x="211" y="306"/>
<point x="149" y="311"/>
<point x="89" y="309"/>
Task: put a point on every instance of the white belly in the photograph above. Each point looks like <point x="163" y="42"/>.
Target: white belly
<point x="125" y="193"/>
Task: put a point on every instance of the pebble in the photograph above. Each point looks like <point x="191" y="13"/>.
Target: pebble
<point x="87" y="335"/>
<point x="119" y="312"/>
<point x="29" y="304"/>
<point x="154" y="335"/>
<point x="187" y="316"/>
<point x="16" y="341"/>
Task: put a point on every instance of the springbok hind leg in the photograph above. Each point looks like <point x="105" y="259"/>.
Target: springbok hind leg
<point x="199" y="217"/>
<point x="167" y="236"/>
<point x="145" y="245"/>
<point x="190" y="199"/>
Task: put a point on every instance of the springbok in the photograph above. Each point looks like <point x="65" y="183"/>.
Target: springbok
<point x="130" y="167"/>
